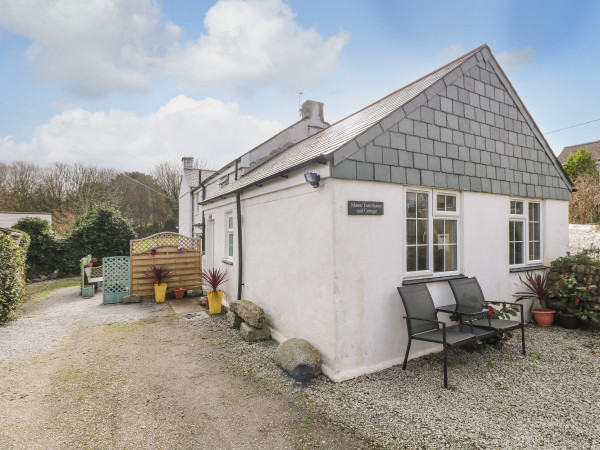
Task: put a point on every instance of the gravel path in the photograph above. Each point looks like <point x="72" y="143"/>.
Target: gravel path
<point x="144" y="380"/>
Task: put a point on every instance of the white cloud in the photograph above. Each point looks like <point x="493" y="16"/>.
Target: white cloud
<point x="96" y="47"/>
<point x="127" y="141"/>
<point x="256" y="41"/>
<point x="516" y="59"/>
<point x="454" y="51"/>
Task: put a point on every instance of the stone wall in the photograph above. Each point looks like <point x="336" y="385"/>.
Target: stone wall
<point x="582" y="237"/>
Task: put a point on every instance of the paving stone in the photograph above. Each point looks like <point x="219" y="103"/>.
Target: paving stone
<point x="390" y="156"/>
<point x="398" y="175"/>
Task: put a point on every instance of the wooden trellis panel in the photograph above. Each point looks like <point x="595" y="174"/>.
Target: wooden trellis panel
<point x="182" y="254"/>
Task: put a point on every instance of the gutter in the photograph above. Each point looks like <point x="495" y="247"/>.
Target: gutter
<point x="238" y="202"/>
<point x="321" y="159"/>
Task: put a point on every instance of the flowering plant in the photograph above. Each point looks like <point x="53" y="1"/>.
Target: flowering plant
<point x="575" y="296"/>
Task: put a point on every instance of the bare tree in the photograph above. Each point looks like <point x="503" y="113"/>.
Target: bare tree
<point x="167" y="175"/>
<point x="22" y="180"/>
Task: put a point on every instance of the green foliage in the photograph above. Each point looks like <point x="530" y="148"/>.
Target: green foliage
<point x="103" y="232"/>
<point x="12" y="280"/>
<point x="576" y="296"/>
<point x="580" y="163"/>
<point x="44" y="253"/>
<point x="564" y="264"/>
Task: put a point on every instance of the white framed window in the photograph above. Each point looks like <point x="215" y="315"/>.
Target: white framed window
<point x="524" y="232"/>
<point x="229" y="237"/>
<point x="431" y="232"/>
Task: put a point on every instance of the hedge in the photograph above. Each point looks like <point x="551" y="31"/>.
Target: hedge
<point x="12" y="276"/>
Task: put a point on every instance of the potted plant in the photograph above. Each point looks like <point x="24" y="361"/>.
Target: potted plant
<point x="537" y="287"/>
<point x="215" y="278"/>
<point x="576" y="298"/>
<point x="158" y="275"/>
<point x="87" y="291"/>
<point x="179" y="292"/>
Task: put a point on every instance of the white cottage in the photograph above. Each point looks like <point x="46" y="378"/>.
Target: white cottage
<point x="446" y="177"/>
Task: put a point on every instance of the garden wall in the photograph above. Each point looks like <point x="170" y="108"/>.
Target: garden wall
<point x="582" y="237"/>
<point x="182" y="254"/>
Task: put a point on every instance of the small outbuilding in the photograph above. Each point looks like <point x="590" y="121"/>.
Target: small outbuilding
<point x="446" y="177"/>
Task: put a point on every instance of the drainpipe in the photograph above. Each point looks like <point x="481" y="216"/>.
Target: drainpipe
<point x="239" y="236"/>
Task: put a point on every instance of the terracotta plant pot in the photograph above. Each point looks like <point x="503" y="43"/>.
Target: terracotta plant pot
<point x="179" y="292"/>
<point x="543" y="317"/>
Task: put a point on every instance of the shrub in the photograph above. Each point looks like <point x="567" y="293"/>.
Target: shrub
<point x="44" y="254"/>
<point x="564" y="264"/>
<point x="12" y="275"/>
<point x="103" y="232"/>
<point x="580" y="163"/>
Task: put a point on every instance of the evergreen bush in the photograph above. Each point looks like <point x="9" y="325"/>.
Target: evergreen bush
<point x="12" y="276"/>
<point x="44" y="254"/>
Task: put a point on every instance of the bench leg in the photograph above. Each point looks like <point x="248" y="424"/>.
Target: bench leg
<point x="523" y="337"/>
<point x="445" y="367"/>
<point x="406" y="355"/>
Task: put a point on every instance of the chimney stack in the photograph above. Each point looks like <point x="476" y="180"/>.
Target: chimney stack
<point x="188" y="162"/>
<point x="311" y="109"/>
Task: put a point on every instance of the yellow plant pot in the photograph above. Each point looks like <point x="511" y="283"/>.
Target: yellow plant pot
<point x="160" y="290"/>
<point x="214" y="302"/>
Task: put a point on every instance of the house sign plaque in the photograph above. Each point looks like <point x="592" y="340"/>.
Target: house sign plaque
<point x="362" y="208"/>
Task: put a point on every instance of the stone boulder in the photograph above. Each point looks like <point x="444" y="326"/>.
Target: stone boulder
<point x="299" y="359"/>
<point x="233" y="320"/>
<point x="250" y="313"/>
<point x="253" y="334"/>
<point x="132" y="299"/>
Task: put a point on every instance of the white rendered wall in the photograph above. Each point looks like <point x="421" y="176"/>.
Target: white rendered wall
<point x="185" y="213"/>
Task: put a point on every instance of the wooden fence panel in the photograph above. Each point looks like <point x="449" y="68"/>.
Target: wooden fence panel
<point x="181" y="254"/>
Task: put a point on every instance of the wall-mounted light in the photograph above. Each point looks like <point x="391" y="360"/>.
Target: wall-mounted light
<point x="312" y="179"/>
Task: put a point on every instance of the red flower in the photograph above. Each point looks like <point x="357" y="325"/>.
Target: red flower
<point x="492" y="310"/>
<point x="577" y="300"/>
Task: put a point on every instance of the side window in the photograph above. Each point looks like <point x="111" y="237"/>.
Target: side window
<point x="229" y="222"/>
<point x="524" y="233"/>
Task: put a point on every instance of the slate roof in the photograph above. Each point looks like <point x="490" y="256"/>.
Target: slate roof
<point x="349" y="136"/>
<point x="592" y="147"/>
<point x="330" y="139"/>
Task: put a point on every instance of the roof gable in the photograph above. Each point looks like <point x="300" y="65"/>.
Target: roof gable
<point x="474" y="134"/>
<point x="592" y="147"/>
<point x="367" y="128"/>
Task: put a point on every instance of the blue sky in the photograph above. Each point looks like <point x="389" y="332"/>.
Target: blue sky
<point x="129" y="83"/>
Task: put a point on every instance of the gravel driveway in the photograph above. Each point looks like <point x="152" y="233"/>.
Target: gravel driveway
<point x="139" y="376"/>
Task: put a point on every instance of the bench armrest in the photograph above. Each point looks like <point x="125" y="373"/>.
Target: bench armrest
<point x="441" y="322"/>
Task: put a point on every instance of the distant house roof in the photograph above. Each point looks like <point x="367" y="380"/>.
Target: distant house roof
<point x="192" y="176"/>
<point x="592" y="147"/>
<point x="345" y="136"/>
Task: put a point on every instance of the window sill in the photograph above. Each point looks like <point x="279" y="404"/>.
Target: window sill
<point x="431" y="279"/>
<point x="527" y="268"/>
<point x="229" y="262"/>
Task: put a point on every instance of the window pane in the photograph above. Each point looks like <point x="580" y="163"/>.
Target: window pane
<point x="516" y="207"/>
<point x="411" y="259"/>
<point x="422" y="205"/>
<point x="450" y="258"/>
<point x="438" y="231"/>
<point x="438" y="258"/>
<point x="518" y="253"/>
<point x="518" y="231"/>
<point x="411" y="208"/>
<point x="450" y="203"/>
<point x="444" y="252"/>
<point x="515" y="231"/>
<point x="230" y="252"/>
<point x="422" y="257"/>
<point x="411" y="231"/>
<point x="230" y="222"/>
<point x="422" y="231"/>
<point x="441" y="203"/>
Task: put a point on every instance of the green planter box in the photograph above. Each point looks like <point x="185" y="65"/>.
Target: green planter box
<point x="87" y="292"/>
